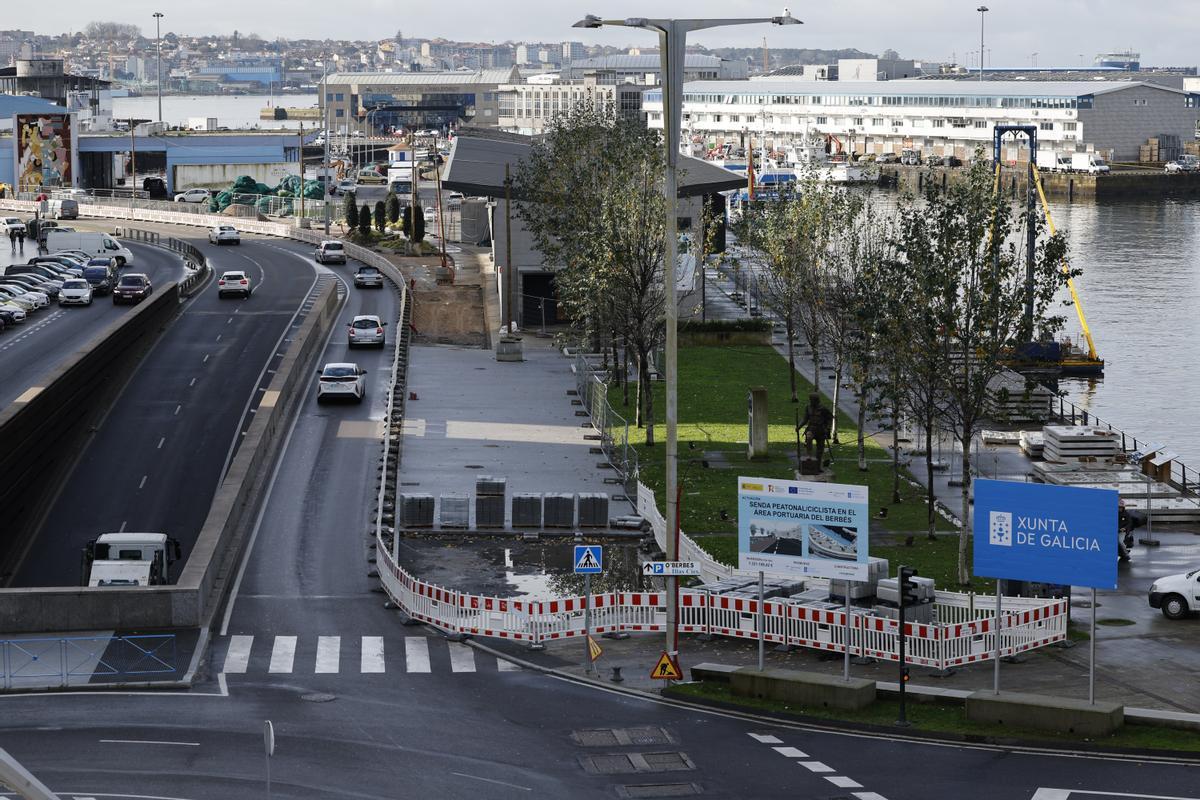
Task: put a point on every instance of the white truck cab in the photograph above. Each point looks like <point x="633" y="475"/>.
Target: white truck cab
<point x="129" y="559"/>
<point x="1177" y="595"/>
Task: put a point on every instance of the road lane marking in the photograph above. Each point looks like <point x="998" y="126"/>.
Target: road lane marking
<point x="142" y="485"/>
<point x="148" y="741"/>
<point x="237" y="658"/>
<point x="764" y="738"/>
<point x="328" y="654"/>
<point x="218" y="337"/>
<point x="843" y="782"/>
<point x="491" y="780"/>
<point x="372" y="654"/>
<point x="176" y="414"/>
<point x="193" y="383"/>
<point x="283" y="654"/>
<point x="122" y="528"/>
<point x="869" y="796"/>
<point x="1044" y="793"/>
<point x="816" y="766"/>
<point x="206" y="355"/>
<point x="462" y="658"/>
<point x="790" y="752"/>
<point x="161" y="442"/>
<point x="229" y="320"/>
<point x="504" y="665"/>
<point x="416" y="654"/>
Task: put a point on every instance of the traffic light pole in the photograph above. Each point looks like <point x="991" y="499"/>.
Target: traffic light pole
<point x="902" y="720"/>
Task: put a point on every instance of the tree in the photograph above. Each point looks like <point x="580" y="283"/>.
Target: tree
<point x="393" y="208"/>
<point x="406" y="226"/>
<point x="418" y="223"/>
<point x="380" y="216"/>
<point x="111" y="31"/>
<point x="364" y="220"/>
<point x="350" y="210"/>
<point x="977" y="295"/>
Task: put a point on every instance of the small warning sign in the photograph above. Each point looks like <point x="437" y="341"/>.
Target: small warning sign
<point x="667" y="668"/>
<point x="594" y="650"/>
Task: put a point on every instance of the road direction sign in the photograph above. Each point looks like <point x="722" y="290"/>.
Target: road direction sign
<point x="594" y="650"/>
<point x="667" y="668"/>
<point x="589" y="559"/>
<point x="654" y="569"/>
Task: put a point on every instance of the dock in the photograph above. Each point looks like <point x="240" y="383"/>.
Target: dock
<point x="1139" y="182"/>
<point x="279" y="112"/>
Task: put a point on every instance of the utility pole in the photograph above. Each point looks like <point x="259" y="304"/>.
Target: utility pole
<point x="132" y="164"/>
<point x="508" y="268"/>
<point x="982" y="10"/>
<point x="325" y="137"/>
<point x="301" y="170"/>
<point x="158" y="57"/>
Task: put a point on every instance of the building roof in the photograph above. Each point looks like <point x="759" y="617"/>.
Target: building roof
<point x="914" y="87"/>
<point x="20" y="104"/>
<point x="642" y="63"/>
<point x="479" y="155"/>
<point x="462" y="77"/>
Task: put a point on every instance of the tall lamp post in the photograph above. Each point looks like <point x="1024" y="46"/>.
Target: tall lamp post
<point x="672" y="40"/>
<point x="982" y="11"/>
<point x="158" y="57"/>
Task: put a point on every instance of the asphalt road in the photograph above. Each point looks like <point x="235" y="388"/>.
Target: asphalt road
<point x="29" y="352"/>
<point x="155" y="461"/>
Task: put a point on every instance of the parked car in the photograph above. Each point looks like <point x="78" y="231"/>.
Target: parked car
<point x="365" y="329"/>
<point x="234" y="282"/>
<point x="951" y="161"/>
<point x="63" y="208"/>
<point x="75" y="292"/>
<point x="26" y="301"/>
<point x="35" y="283"/>
<point x="194" y="196"/>
<point x="454" y="200"/>
<point x="345" y="187"/>
<point x="887" y="158"/>
<point x="12" y="315"/>
<point x="1177" y="595"/>
<point x="368" y="276"/>
<point x="341" y="381"/>
<point x="331" y="253"/>
<point x="134" y="287"/>
<point x="370" y="176"/>
<point x="13" y="224"/>
<point x="101" y="277"/>
<point x="224" y="234"/>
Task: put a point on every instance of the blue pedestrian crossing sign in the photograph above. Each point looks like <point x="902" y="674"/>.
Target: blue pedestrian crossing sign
<point x="589" y="559"/>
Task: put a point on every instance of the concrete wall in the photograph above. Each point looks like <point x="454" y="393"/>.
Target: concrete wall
<point x="1125" y="119"/>
<point x="220" y="176"/>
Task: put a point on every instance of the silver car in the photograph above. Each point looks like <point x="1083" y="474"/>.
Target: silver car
<point x="75" y="292"/>
<point x="365" y="329"/>
<point x="341" y="381"/>
<point x="368" y="276"/>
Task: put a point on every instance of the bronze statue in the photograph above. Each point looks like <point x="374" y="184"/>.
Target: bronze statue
<point x="817" y="425"/>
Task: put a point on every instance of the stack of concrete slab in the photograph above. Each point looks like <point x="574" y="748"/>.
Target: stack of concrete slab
<point x="455" y="510"/>
<point x="416" y="510"/>
<point x="527" y="510"/>
<point x="489" y="502"/>
<point x="1075" y="442"/>
<point x="593" y="510"/>
<point x="1171" y="509"/>
<point x="1013" y="399"/>
<point x="1032" y="443"/>
<point x="559" y="510"/>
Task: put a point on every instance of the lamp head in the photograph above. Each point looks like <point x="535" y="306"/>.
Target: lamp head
<point x="590" y="21"/>
<point x="786" y="19"/>
<point x="635" y="22"/>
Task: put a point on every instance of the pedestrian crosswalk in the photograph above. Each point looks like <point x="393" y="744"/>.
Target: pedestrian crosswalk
<point x="332" y="655"/>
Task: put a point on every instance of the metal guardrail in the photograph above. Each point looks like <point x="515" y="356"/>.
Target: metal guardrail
<point x="591" y="388"/>
<point x="72" y="661"/>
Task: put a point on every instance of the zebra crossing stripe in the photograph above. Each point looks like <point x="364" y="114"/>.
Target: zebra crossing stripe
<point x="462" y="658"/>
<point x="283" y="654"/>
<point x="416" y="654"/>
<point x="328" y="654"/>
<point x="505" y="665"/>
<point x="237" y="659"/>
<point x="372" y="654"/>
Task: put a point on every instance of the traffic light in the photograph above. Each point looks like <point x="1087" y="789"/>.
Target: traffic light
<point x="904" y="675"/>
<point x="908" y="587"/>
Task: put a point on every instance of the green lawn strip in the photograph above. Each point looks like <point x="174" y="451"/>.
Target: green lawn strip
<point x="943" y="717"/>
<point x="713" y="384"/>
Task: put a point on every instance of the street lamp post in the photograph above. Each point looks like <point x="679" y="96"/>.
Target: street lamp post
<point x="325" y="136"/>
<point x="672" y="40"/>
<point x="158" y="57"/>
<point x="982" y="11"/>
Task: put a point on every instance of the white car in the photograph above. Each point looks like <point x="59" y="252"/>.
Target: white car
<point x="331" y="253"/>
<point x="13" y="224"/>
<point x="365" y="329"/>
<point x="341" y="381"/>
<point x="17" y="312"/>
<point x="224" y="234"/>
<point x="194" y="196"/>
<point x="75" y="292"/>
<point x="234" y="282"/>
<point x="454" y="200"/>
<point x="1177" y="595"/>
<point x="26" y="300"/>
<point x="368" y="276"/>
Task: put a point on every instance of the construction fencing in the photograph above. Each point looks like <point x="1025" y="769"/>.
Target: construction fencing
<point x="613" y="428"/>
<point x="81" y="660"/>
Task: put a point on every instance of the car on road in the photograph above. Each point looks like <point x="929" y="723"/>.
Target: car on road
<point x="134" y="287"/>
<point x="13" y="224"/>
<point x="370" y="176"/>
<point x="194" y="196"/>
<point x="331" y="252"/>
<point x="102" y="277"/>
<point x="341" y="381"/>
<point x="234" y="282"/>
<point x="454" y="200"/>
<point x="1176" y="595"/>
<point x="365" y="329"/>
<point x="368" y="276"/>
<point x="345" y="187"/>
<point x="75" y="292"/>
<point x="224" y="234"/>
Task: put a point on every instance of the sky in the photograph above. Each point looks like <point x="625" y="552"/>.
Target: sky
<point x="1059" y="32"/>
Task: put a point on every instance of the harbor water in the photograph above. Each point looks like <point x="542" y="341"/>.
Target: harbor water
<point x="231" y="111"/>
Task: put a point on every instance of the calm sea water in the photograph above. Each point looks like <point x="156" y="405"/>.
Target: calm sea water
<point x="1140" y="290"/>
<point x="231" y="111"/>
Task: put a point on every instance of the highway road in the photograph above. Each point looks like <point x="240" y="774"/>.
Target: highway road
<point x="156" y="459"/>
<point x="31" y="351"/>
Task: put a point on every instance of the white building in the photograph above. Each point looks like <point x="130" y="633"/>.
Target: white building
<point x="528" y="108"/>
<point x="935" y="117"/>
<point x="645" y="68"/>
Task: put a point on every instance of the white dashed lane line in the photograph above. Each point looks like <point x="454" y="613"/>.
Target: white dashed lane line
<point x="815" y="767"/>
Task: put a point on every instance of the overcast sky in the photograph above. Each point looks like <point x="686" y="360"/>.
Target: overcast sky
<point x="1059" y="31"/>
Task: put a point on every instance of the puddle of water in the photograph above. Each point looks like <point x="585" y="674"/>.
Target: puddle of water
<point x="517" y="569"/>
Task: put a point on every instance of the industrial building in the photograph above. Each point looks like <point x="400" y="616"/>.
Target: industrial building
<point x="528" y="108"/>
<point x="413" y="99"/>
<point x="934" y="117"/>
<point x="646" y="69"/>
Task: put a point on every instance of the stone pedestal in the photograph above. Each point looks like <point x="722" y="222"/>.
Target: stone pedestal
<point x="1061" y="714"/>
<point x="508" y="348"/>
<point x="756" y="403"/>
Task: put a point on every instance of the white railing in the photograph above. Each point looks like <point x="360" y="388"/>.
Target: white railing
<point x="710" y="569"/>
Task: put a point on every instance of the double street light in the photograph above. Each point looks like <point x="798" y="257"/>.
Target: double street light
<point x="158" y="57"/>
<point x="672" y="41"/>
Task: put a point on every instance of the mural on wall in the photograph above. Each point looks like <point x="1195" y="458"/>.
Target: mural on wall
<point x="43" y="151"/>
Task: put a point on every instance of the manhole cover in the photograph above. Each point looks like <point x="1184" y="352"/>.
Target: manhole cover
<point x="666" y="762"/>
<point x="595" y="738"/>
<point x="618" y="763"/>
<point x="659" y="790"/>
<point x="642" y="736"/>
<point x="612" y="764"/>
<point x="318" y="697"/>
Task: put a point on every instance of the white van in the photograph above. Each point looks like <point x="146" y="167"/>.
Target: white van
<point x="96" y="243"/>
<point x="62" y="208"/>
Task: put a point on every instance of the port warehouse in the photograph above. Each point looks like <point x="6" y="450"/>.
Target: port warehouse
<point x="935" y="117"/>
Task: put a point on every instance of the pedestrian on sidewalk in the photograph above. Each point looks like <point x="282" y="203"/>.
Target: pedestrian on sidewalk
<point x="12" y="238"/>
<point x="21" y="239"/>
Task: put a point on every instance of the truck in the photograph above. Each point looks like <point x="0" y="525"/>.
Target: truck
<point x="400" y="178"/>
<point x="96" y="243"/>
<point x="1050" y="161"/>
<point x="1088" y="162"/>
<point x="129" y="559"/>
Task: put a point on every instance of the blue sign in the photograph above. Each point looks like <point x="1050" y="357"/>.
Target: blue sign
<point x="1051" y="534"/>
<point x="589" y="559"/>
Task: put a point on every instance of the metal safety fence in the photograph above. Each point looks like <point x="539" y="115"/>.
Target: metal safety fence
<point x="73" y="661"/>
<point x="591" y="388"/>
<point x="960" y="633"/>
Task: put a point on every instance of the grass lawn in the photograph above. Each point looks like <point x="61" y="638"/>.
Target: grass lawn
<point x="713" y="386"/>
<point x="940" y="717"/>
